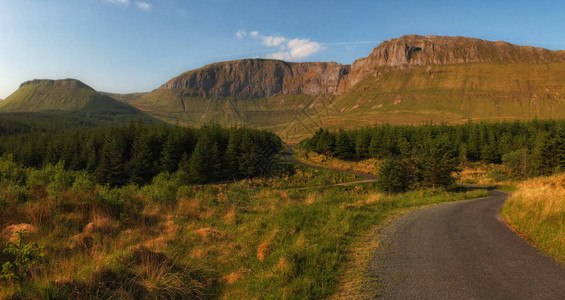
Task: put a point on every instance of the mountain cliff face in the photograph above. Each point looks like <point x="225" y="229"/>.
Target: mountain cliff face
<point x="414" y="50"/>
<point x="260" y="78"/>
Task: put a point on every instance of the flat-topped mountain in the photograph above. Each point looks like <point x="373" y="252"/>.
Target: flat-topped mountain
<point x="63" y="95"/>
<point x="259" y="78"/>
<point x="415" y="50"/>
<point x="443" y="50"/>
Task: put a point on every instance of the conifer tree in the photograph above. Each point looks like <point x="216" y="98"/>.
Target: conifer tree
<point x="343" y="146"/>
<point x="232" y="154"/>
<point x="111" y="169"/>
<point x="396" y="175"/>
<point x="141" y="164"/>
<point x="249" y="158"/>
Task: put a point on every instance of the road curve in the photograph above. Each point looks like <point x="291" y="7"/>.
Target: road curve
<point x="461" y="250"/>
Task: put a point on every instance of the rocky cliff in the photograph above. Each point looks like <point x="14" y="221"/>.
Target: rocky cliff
<point x="260" y="78"/>
<point x="413" y="50"/>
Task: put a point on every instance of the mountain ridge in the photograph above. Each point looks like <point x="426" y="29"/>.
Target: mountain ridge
<point x="409" y="79"/>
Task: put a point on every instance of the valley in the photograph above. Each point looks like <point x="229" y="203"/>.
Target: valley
<point x="261" y="178"/>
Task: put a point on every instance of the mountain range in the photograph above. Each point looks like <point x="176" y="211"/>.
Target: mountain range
<point x="411" y="79"/>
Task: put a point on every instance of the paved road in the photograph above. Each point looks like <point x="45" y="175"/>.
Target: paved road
<point x="461" y="250"/>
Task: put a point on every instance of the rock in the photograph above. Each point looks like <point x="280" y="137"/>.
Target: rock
<point x="259" y="78"/>
<point x="411" y="50"/>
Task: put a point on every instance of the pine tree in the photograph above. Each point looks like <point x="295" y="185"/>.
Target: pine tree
<point x="141" y="164"/>
<point x="232" y="154"/>
<point x="362" y="143"/>
<point x="344" y="148"/>
<point x="436" y="161"/>
<point x="199" y="165"/>
<point x="171" y="153"/>
<point x="326" y="143"/>
<point x="489" y="151"/>
<point x="249" y="158"/>
<point x="111" y="169"/>
<point x="396" y="175"/>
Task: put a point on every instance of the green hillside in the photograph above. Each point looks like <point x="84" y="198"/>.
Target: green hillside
<point x="62" y="95"/>
<point x="454" y="93"/>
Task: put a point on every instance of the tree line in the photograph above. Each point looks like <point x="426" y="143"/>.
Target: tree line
<point x="137" y="151"/>
<point x="526" y="148"/>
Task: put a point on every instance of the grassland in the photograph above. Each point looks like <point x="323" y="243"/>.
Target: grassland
<point x="365" y="165"/>
<point x="63" y="95"/>
<point x="455" y="93"/>
<point x="536" y="211"/>
<point x="262" y="238"/>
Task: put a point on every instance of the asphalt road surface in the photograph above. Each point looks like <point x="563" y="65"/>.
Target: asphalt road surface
<point x="462" y="250"/>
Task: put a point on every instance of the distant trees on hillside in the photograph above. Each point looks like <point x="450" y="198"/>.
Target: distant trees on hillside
<point x="136" y="152"/>
<point x="434" y="151"/>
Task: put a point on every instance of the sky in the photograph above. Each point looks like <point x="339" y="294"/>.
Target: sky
<point x="126" y="46"/>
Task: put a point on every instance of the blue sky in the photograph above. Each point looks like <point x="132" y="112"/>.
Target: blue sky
<point x="135" y="46"/>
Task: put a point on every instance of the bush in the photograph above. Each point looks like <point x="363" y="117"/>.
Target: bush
<point x="111" y="199"/>
<point x="25" y="256"/>
<point x="19" y="193"/>
<point x="59" y="178"/>
<point x="11" y="172"/>
<point x="395" y="175"/>
<point x="516" y="163"/>
<point x="163" y="189"/>
<point x="84" y="183"/>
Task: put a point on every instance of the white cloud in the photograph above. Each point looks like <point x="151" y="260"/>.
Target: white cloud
<point x="143" y="5"/>
<point x="118" y="2"/>
<point x="289" y="49"/>
<point x="241" y="34"/>
<point x="298" y="49"/>
<point x="273" y="41"/>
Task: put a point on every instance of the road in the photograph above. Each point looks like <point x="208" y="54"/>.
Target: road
<point x="459" y="250"/>
<point x="462" y="250"/>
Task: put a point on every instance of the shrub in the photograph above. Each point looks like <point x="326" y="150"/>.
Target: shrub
<point x="84" y="183"/>
<point x="111" y="199"/>
<point x="19" y="193"/>
<point x="395" y="175"/>
<point x="162" y="190"/>
<point x="10" y="171"/>
<point x="59" y="178"/>
<point x="25" y="255"/>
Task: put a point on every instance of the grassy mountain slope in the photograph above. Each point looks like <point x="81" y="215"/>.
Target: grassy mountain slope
<point x="64" y="95"/>
<point x="173" y="106"/>
<point x="454" y="93"/>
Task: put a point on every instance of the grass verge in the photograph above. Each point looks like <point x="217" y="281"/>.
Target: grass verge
<point x="537" y="212"/>
<point x="260" y="238"/>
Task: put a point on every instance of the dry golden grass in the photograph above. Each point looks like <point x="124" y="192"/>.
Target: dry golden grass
<point x="367" y="166"/>
<point x="482" y="174"/>
<point x="537" y="212"/>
